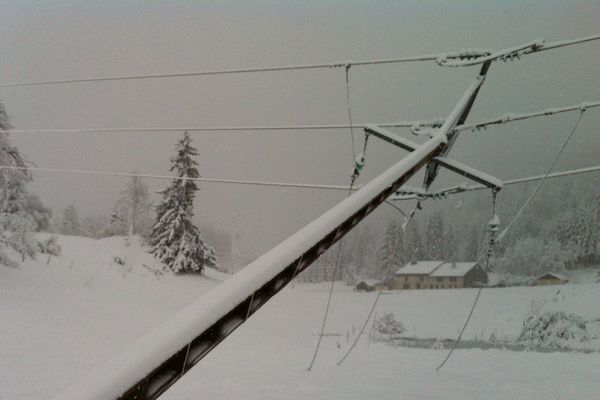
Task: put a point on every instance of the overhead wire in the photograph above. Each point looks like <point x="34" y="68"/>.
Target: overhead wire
<point x="353" y="178"/>
<point x="400" y="124"/>
<point x="511" y="117"/>
<point x="465" y="54"/>
<point x="415" y="125"/>
<point x="439" y="194"/>
<point x="494" y="240"/>
<point x="480" y="288"/>
<point x="183" y="178"/>
<point x="362" y="329"/>
<point x="541" y="182"/>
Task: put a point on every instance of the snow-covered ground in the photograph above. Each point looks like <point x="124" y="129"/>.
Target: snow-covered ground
<point x="59" y="321"/>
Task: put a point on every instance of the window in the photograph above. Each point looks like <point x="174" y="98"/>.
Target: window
<point x="406" y="286"/>
<point x="452" y="279"/>
<point x="439" y="279"/>
<point x="418" y="286"/>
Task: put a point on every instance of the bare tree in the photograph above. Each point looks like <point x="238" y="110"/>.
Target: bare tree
<point x="133" y="204"/>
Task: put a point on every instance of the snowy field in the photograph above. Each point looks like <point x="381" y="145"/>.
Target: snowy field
<point x="58" y="321"/>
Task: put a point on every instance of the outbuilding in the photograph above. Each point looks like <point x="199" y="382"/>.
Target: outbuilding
<point x="551" y="278"/>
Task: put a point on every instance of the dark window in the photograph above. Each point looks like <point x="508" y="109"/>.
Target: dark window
<point x="418" y="286"/>
<point x="421" y="278"/>
<point x="452" y="279"/>
<point x="439" y="279"/>
<point x="406" y="286"/>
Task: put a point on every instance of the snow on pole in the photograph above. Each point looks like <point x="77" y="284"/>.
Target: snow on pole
<point x="152" y="364"/>
<point x="156" y="361"/>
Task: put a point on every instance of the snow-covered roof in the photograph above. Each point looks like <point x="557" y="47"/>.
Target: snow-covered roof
<point x="454" y="269"/>
<point x="419" y="268"/>
<point x="553" y="275"/>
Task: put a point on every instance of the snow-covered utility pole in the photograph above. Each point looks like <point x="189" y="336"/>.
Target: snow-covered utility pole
<point x="152" y="364"/>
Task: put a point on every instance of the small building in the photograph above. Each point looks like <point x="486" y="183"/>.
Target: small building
<point x="370" y="285"/>
<point x="551" y="278"/>
<point x="439" y="275"/>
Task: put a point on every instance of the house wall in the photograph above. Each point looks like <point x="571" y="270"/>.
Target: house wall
<point x="475" y="277"/>
<point x="444" y="282"/>
<point x="426" y="282"/>
<point x="545" y="282"/>
<point x="408" y="282"/>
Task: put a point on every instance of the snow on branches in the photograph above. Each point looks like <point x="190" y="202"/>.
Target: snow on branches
<point x="175" y="240"/>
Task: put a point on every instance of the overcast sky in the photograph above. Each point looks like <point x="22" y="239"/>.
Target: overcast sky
<point x="69" y="39"/>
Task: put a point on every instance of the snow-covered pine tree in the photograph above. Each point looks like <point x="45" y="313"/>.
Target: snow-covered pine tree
<point x="435" y="237"/>
<point x="175" y="240"/>
<point x="15" y="222"/>
<point x="69" y="225"/>
<point x="473" y="249"/>
<point x="400" y="255"/>
<point x="12" y="181"/>
<point x="414" y="246"/>
<point x="450" y="244"/>
<point x="386" y="252"/>
<point x="578" y="232"/>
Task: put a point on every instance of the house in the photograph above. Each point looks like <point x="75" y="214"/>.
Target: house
<point x="452" y="275"/>
<point x="439" y="275"/>
<point x="413" y="274"/>
<point x="551" y="278"/>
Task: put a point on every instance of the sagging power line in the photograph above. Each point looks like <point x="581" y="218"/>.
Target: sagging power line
<point x="416" y="127"/>
<point x="452" y="59"/>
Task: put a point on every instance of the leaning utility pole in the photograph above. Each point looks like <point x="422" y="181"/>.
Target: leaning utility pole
<point x="151" y="365"/>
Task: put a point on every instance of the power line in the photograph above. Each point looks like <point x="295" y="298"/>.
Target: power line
<point x="541" y="183"/>
<point x="527" y="48"/>
<point x="510" y="117"/>
<point x="469" y="188"/>
<point x="208" y="180"/>
<point x="401" y="124"/>
<point x="429" y="57"/>
<point x="506" y="118"/>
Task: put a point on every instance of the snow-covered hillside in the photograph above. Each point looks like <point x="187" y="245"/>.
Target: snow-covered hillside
<point x="61" y="320"/>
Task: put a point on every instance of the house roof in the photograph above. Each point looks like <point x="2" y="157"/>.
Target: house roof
<point x="552" y="275"/>
<point x="454" y="269"/>
<point x="419" y="268"/>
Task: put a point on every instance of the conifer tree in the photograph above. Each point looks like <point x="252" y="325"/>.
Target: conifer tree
<point x="387" y="250"/>
<point x="12" y="181"/>
<point x="450" y="248"/>
<point x="473" y="248"/>
<point x="435" y="237"/>
<point x="414" y="246"/>
<point x="70" y="221"/>
<point x="15" y="221"/>
<point x="175" y="240"/>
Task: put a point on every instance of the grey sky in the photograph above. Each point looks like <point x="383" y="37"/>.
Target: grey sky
<point x="65" y="39"/>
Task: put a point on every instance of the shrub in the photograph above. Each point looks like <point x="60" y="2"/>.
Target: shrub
<point x="387" y="328"/>
<point x="554" y="329"/>
<point x="49" y="246"/>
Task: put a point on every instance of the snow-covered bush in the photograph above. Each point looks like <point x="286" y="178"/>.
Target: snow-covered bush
<point x="386" y="328"/>
<point x="554" y="329"/>
<point x="49" y="246"/>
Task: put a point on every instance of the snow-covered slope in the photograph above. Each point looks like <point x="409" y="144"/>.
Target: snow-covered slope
<point x="59" y="321"/>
